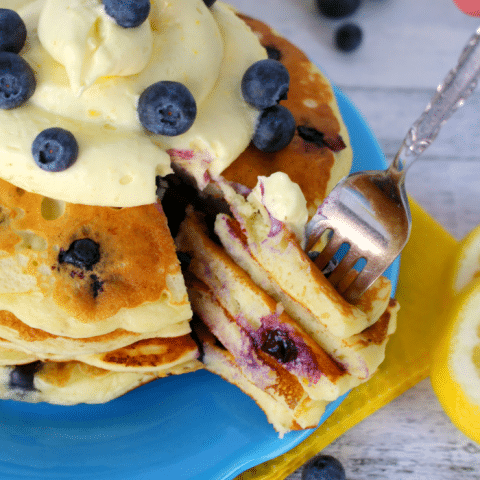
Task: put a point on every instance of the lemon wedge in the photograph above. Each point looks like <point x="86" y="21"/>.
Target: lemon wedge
<point x="455" y="370"/>
<point x="466" y="263"/>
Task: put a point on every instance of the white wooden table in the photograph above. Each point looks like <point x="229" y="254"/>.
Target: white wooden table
<point x="408" y="47"/>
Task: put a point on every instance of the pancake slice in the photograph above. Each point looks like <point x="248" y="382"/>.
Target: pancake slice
<point x="288" y="273"/>
<point x="277" y="263"/>
<point x="253" y="325"/>
<point x="81" y="271"/>
<point x="257" y="366"/>
<point x="284" y="418"/>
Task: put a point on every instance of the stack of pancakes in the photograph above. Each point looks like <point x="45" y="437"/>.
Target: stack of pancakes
<point x="93" y="301"/>
<point x="91" y="323"/>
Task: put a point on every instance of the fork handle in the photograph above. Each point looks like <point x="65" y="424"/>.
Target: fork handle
<point x="451" y="94"/>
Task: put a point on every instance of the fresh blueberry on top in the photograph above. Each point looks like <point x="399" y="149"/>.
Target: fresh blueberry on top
<point x="275" y="129"/>
<point x="337" y="8"/>
<point x="13" y="32"/>
<point x="323" y="467"/>
<point x="279" y="345"/>
<point x="265" y="83"/>
<point x="127" y="13"/>
<point x="17" y="81"/>
<point x="167" y="108"/>
<point x="348" y="37"/>
<point x="209" y="3"/>
<point x="82" y="253"/>
<point x="55" y="149"/>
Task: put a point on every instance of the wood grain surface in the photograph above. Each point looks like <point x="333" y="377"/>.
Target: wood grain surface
<point x="408" y="48"/>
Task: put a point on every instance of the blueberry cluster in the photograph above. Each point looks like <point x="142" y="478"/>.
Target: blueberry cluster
<point x="348" y="36"/>
<point x="264" y="85"/>
<point x="17" y="80"/>
<point x="54" y="149"/>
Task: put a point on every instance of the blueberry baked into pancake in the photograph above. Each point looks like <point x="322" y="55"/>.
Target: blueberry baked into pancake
<point x="158" y="164"/>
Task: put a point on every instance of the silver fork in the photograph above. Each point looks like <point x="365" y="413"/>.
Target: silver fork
<point x="369" y="210"/>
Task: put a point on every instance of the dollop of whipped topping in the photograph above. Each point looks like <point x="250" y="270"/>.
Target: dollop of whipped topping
<point x="90" y="73"/>
<point x="90" y="44"/>
<point x="283" y="201"/>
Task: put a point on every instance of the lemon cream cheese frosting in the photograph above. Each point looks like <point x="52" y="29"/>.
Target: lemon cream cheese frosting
<point x="283" y="201"/>
<point x="90" y="74"/>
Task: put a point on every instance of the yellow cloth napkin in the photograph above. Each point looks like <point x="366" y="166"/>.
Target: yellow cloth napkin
<point x="420" y="289"/>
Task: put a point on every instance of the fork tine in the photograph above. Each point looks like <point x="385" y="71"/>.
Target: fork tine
<point x="361" y="283"/>
<point x="331" y="248"/>
<point x="314" y="234"/>
<point x="346" y="264"/>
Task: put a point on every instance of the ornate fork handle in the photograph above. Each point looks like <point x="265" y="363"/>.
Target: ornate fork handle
<point x="451" y="94"/>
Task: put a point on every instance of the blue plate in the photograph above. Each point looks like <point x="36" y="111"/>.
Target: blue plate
<point x="193" y="426"/>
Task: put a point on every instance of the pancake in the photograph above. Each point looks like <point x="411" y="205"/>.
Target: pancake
<point x="152" y="354"/>
<point x="320" y="153"/>
<point x="70" y="383"/>
<point x="131" y="281"/>
<point x="148" y="355"/>
<point x="12" y="355"/>
<point x="283" y="417"/>
<point x="48" y="344"/>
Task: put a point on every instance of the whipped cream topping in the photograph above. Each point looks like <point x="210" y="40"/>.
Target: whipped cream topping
<point x="283" y="200"/>
<point x="90" y="74"/>
<point x="90" y="44"/>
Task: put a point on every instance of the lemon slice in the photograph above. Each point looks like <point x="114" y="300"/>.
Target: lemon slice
<point x="466" y="264"/>
<point x="455" y="371"/>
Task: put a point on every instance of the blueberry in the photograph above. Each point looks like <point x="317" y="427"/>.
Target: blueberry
<point x="13" y="32"/>
<point x="311" y="135"/>
<point x="184" y="259"/>
<point x="162" y="186"/>
<point x="209" y="3"/>
<point x="17" y="81"/>
<point x="348" y="37"/>
<point x="127" y="13"/>
<point x="323" y="467"/>
<point x="275" y="129"/>
<point x="55" y="149"/>
<point x="22" y="376"/>
<point x="167" y="108"/>
<point x="97" y="285"/>
<point x="82" y="253"/>
<point x="273" y="52"/>
<point x="265" y="83"/>
<point x="337" y="8"/>
<point x="279" y="345"/>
